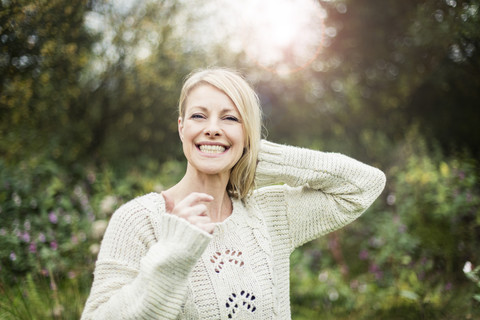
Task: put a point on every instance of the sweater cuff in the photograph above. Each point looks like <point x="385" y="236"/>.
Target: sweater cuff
<point x="274" y="161"/>
<point x="183" y="235"/>
<point x="166" y="266"/>
<point x="180" y="244"/>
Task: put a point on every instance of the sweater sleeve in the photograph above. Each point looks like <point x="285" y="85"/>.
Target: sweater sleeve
<point x="143" y="265"/>
<point x="323" y="191"/>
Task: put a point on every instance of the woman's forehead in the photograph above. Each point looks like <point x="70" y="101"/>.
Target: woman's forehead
<point x="207" y="97"/>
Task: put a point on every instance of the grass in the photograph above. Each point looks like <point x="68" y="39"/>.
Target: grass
<point x="44" y="297"/>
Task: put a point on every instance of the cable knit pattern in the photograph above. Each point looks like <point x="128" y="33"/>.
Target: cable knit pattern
<point x="154" y="265"/>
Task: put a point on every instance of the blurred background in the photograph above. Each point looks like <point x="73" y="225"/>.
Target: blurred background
<point x="88" y="94"/>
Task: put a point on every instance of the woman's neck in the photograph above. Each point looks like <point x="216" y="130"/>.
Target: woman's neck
<point x="215" y="185"/>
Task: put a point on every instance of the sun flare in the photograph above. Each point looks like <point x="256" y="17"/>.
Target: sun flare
<point x="280" y="35"/>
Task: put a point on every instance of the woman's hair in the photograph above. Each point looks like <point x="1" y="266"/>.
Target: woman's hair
<point x="242" y="176"/>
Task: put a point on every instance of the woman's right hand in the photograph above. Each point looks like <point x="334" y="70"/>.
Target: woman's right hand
<point x="192" y="208"/>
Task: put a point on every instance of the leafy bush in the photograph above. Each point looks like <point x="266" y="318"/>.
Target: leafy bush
<point x="403" y="258"/>
<point x="45" y="219"/>
<point x="52" y="219"/>
<point x="473" y="275"/>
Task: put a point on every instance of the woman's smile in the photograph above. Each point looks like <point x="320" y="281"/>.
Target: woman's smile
<point x="212" y="149"/>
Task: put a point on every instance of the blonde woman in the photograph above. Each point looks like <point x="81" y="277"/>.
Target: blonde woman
<point x="217" y="244"/>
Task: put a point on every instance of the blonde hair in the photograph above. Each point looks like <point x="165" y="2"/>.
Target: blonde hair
<point x="242" y="176"/>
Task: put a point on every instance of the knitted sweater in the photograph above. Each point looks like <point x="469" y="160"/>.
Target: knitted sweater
<point x="155" y="265"/>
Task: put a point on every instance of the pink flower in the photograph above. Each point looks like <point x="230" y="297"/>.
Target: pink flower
<point x="54" y="245"/>
<point x="42" y="238"/>
<point x="363" y="255"/>
<point x="52" y="217"/>
<point x="32" y="248"/>
<point x="375" y="269"/>
<point x="25" y="236"/>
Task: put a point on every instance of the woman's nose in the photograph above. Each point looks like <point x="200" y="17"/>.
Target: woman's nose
<point x="212" y="129"/>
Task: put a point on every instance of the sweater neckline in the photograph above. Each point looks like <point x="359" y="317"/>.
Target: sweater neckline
<point x="232" y="216"/>
<point x="236" y="204"/>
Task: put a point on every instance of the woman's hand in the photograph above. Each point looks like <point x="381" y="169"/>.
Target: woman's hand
<point x="193" y="209"/>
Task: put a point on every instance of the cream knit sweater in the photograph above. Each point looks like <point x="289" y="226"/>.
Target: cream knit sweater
<point x="154" y="265"/>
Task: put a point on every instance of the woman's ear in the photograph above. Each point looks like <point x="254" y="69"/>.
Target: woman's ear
<point x="180" y="128"/>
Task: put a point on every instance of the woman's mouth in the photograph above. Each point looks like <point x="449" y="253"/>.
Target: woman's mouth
<point x="207" y="148"/>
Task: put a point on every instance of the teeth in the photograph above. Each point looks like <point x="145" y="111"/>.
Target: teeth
<point x="212" y="148"/>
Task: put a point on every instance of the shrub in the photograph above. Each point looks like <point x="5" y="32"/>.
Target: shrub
<point x="45" y="217"/>
<point x="403" y="258"/>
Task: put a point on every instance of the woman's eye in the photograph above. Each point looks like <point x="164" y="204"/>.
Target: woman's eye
<point x="196" y="116"/>
<point x="231" y="118"/>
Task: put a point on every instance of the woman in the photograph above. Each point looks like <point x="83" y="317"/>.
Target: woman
<point x="212" y="247"/>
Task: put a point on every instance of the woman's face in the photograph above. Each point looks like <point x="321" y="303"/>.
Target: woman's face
<point x="211" y="131"/>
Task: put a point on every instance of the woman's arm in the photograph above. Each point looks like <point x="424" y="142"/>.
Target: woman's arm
<point x="323" y="192"/>
<point x="143" y="265"/>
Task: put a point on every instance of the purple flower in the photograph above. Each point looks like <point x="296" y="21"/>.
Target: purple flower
<point x="54" y="245"/>
<point x="42" y="238"/>
<point x="52" y="217"/>
<point x="32" y="248"/>
<point x="13" y="256"/>
<point x="374" y="269"/>
<point x="25" y="236"/>
<point x="363" y="255"/>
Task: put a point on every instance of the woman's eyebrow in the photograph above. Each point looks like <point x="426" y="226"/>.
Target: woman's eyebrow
<point x="222" y="111"/>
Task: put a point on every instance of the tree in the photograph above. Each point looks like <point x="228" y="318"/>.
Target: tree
<point x="389" y="66"/>
<point x="44" y="48"/>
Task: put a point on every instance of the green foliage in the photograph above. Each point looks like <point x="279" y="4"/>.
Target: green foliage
<point x="45" y="296"/>
<point x="45" y="216"/>
<point x="44" y="49"/>
<point x="87" y="123"/>
<point x="473" y="275"/>
<point x="391" y="64"/>
<point x="404" y="257"/>
<point x="71" y="92"/>
<point x="52" y="220"/>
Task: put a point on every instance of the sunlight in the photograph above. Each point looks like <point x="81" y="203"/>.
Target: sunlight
<point x="283" y="36"/>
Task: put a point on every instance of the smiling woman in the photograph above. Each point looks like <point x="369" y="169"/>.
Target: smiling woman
<point x="217" y="244"/>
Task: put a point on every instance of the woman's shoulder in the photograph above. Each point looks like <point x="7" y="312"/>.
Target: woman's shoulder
<point x="145" y="205"/>
<point x="138" y="217"/>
